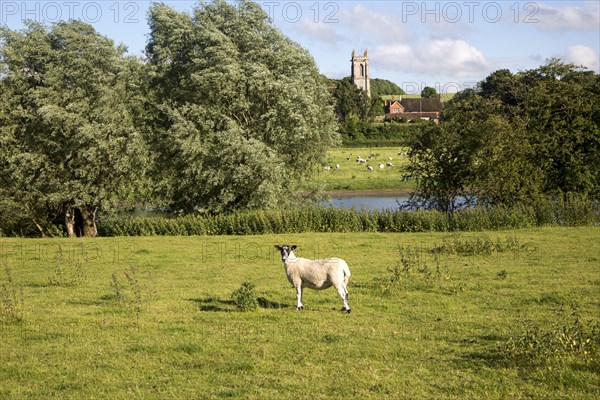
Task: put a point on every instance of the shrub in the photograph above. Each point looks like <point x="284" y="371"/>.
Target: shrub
<point x="244" y="298"/>
<point x="11" y="299"/>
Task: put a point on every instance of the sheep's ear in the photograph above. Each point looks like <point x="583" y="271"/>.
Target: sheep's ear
<point x="278" y="247"/>
<point x="293" y="247"/>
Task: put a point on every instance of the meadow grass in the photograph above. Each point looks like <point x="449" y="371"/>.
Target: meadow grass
<point x="355" y="176"/>
<point x="434" y="316"/>
<point x="444" y="96"/>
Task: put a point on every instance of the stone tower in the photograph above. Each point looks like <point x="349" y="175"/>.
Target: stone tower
<point x="360" y="72"/>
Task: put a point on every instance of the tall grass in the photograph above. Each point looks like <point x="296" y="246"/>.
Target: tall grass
<point x="341" y="220"/>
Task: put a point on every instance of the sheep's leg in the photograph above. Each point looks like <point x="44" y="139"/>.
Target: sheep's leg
<point x="300" y="306"/>
<point x="344" y="295"/>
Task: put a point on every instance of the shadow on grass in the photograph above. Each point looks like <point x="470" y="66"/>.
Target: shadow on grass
<point x="483" y="351"/>
<point x="214" y="304"/>
<point x="268" y="304"/>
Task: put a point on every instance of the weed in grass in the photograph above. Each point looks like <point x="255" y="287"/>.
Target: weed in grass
<point x="64" y="276"/>
<point x="11" y="299"/>
<point x="479" y="245"/>
<point x="245" y="297"/>
<point x="116" y="286"/>
<point x="551" y="298"/>
<point x="563" y="342"/>
<point x="418" y="270"/>
<point x="502" y="275"/>
<point x="134" y="284"/>
<point x="133" y="294"/>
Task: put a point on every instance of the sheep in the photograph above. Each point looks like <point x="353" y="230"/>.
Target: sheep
<point x="347" y="158"/>
<point x="390" y="158"/>
<point x="369" y="168"/>
<point x="326" y="168"/>
<point x="381" y="166"/>
<point x="337" y="166"/>
<point x="359" y="159"/>
<point x="315" y="274"/>
<point x="389" y="164"/>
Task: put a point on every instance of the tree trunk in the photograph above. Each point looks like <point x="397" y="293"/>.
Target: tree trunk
<point x="38" y="226"/>
<point x="70" y="222"/>
<point x="88" y="216"/>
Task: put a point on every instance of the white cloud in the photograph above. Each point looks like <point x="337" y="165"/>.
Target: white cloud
<point x="449" y="57"/>
<point x="584" y="17"/>
<point x="363" y="22"/>
<point x="582" y="55"/>
<point x="319" y="31"/>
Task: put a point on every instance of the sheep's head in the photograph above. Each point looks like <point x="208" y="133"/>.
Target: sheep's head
<point x="285" y="251"/>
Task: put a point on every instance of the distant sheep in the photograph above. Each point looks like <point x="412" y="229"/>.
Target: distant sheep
<point x="390" y="158"/>
<point x="315" y="274"/>
<point x="389" y="164"/>
<point x="360" y="160"/>
<point x="337" y="166"/>
<point x="369" y="168"/>
<point x="326" y="168"/>
<point x="381" y="166"/>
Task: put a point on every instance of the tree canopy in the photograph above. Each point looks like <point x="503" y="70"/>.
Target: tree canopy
<point x="429" y="93"/>
<point x="516" y="138"/>
<point x="240" y="112"/>
<point x="225" y="113"/>
<point x="68" y="144"/>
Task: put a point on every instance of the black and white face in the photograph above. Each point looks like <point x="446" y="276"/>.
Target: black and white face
<point x="285" y="251"/>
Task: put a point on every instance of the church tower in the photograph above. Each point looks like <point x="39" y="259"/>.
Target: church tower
<point x="360" y="72"/>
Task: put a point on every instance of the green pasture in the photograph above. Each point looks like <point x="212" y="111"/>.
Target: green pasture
<point x="486" y="315"/>
<point x="444" y="96"/>
<point x="355" y="176"/>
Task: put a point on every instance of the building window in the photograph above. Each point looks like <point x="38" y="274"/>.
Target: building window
<point x="395" y="110"/>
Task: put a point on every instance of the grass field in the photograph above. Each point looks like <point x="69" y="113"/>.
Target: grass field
<point x="444" y="97"/>
<point x="355" y="176"/>
<point x="434" y="316"/>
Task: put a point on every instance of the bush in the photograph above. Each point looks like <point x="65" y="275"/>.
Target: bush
<point x="244" y="298"/>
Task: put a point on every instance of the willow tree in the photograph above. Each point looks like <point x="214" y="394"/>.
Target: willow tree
<point x="67" y="142"/>
<point x="240" y="113"/>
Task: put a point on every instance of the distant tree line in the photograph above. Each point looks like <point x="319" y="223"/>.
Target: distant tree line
<point x="518" y="138"/>
<point x="356" y="112"/>
<point x="224" y="113"/>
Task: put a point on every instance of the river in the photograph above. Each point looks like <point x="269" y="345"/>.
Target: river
<point x="367" y="202"/>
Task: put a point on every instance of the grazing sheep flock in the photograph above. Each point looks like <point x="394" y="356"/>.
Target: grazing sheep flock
<point x="372" y="158"/>
<point x="315" y="274"/>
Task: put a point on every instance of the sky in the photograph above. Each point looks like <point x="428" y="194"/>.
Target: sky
<point x="449" y="45"/>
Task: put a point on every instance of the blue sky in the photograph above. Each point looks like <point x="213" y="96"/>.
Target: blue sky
<point x="446" y="44"/>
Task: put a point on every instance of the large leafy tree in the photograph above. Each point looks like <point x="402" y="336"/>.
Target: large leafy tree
<point x="240" y="113"/>
<point x="518" y="137"/>
<point x="67" y="141"/>
<point x="429" y="93"/>
<point x="353" y="103"/>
